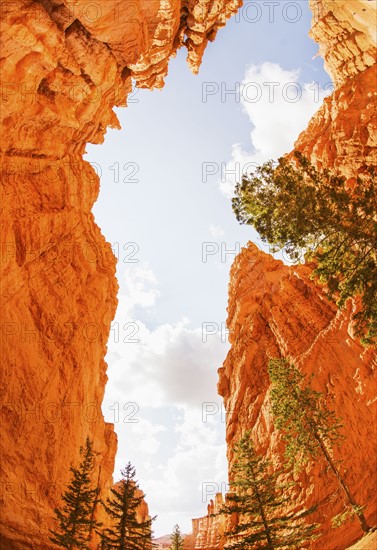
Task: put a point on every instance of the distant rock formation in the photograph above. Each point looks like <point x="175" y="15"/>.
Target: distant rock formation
<point x="207" y="531"/>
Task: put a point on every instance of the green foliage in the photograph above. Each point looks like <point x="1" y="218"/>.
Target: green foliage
<point x="301" y="413"/>
<point x="258" y="499"/>
<point x="295" y="207"/>
<point x="308" y="426"/>
<point x="176" y="539"/>
<point x="75" y="518"/>
<point x="346" y="514"/>
<point x="126" y="532"/>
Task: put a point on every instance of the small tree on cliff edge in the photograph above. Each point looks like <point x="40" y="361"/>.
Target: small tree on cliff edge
<point x="126" y="533"/>
<point x="176" y="539"/>
<point x="258" y="499"/>
<point x="75" y="518"/>
<point x="309" y="427"/>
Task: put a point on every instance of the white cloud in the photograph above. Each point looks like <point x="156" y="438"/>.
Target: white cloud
<point x="158" y="381"/>
<point x="144" y="435"/>
<point x="171" y="364"/>
<point x="216" y="231"/>
<point x="140" y="285"/>
<point x="279" y="107"/>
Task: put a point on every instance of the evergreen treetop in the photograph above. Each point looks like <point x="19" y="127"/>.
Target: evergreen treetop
<point x="75" y="519"/>
<point x="176" y="539"/>
<point x="260" y="502"/>
<point x="126" y="531"/>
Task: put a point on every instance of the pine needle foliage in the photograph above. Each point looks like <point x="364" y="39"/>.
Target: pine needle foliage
<point x="260" y="502"/>
<point x="318" y="215"/>
<point x="75" y="519"/>
<point x="176" y="539"/>
<point x="309" y="427"/>
<point x="126" y="531"/>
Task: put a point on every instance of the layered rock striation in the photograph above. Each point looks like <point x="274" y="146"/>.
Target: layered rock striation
<point x="64" y="66"/>
<point x="342" y="134"/>
<point x="346" y="34"/>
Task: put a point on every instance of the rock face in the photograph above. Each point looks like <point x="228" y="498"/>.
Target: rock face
<point x="342" y="134"/>
<point x="346" y="34"/>
<point x="276" y="310"/>
<point x="65" y="65"/>
<point x="366" y="543"/>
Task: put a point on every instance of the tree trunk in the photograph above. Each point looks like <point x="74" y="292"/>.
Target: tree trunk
<point x="94" y="507"/>
<point x="264" y="519"/>
<point x="363" y="522"/>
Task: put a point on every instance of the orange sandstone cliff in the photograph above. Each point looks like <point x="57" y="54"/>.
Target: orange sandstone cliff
<point x="342" y="134"/>
<point x="64" y="66"/>
<point x="275" y="310"/>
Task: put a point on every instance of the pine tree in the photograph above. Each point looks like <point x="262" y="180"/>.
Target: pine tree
<point x="302" y="210"/>
<point x="176" y="539"/>
<point x="310" y="428"/>
<point x="126" y="532"/>
<point x="259" y="499"/>
<point x="75" y="519"/>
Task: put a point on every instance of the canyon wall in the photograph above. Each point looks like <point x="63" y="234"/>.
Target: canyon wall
<point x="64" y="66"/>
<point x="275" y="310"/>
<point x="346" y="34"/>
<point x="342" y="134"/>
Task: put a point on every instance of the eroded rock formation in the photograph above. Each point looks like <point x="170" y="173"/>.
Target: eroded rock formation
<point x="346" y="34"/>
<point x="276" y="310"/>
<point x="64" y="66"/>
<point x="342" y="134"/>
<point x="207" y="531"/>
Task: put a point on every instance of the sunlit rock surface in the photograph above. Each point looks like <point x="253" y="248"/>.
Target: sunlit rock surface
<point x="275" y="310"/>
<point x="64" y="66"/>
<point x="342" y="134"/>
<point x="207" y="531"/>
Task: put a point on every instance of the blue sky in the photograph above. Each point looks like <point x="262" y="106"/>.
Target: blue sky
<point x="164" y="205"/>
